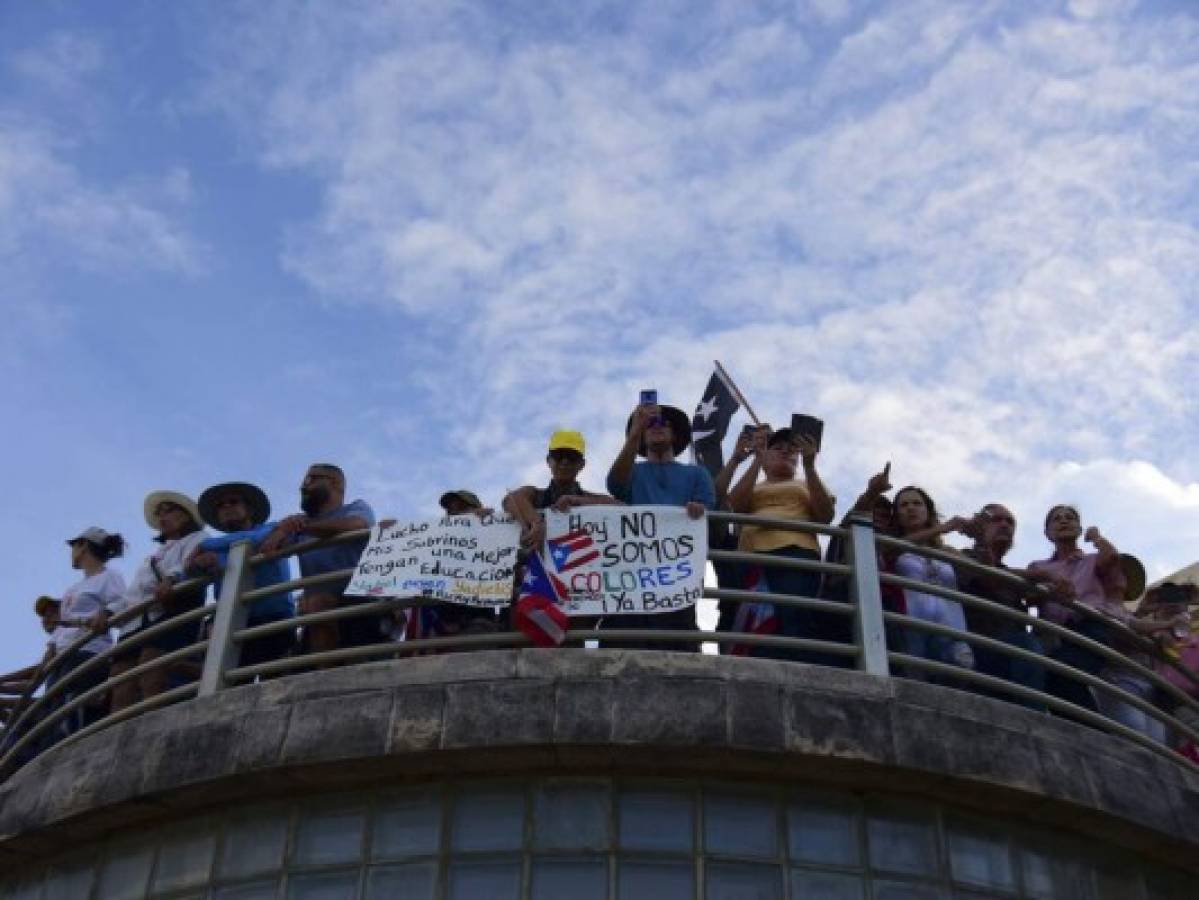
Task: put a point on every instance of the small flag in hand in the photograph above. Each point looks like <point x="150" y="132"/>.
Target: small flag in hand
<point x="538" y="612"/>
<point x="571" y="550"/>
<point x="710" y="423"/>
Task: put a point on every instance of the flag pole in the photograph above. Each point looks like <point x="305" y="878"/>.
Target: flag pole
<point x="727" y="379"/>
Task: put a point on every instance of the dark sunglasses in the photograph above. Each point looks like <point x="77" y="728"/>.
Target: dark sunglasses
<point x="566" y="456"/>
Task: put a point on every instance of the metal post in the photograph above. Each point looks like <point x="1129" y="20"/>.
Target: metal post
<point x="231" y="615"/>
<point x="869" y="633"/>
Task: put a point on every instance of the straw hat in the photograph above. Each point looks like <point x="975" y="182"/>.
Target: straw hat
<point x="181" y="500"/>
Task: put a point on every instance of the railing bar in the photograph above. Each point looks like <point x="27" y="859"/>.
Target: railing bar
<point x="1099" y="720"/>
<point x="515" y="638"/>
<point x="767" y="561"/>
<point x="135" y="709"/>
<point x="134" y="640"/>
<point x="1060" y="631"/>
<point x="58" y="714"/>
<point x="1044" y="661"/>
<point x="735" y="595"/>
<point x="731" y="518"/>
<point x="958" y="561"/>
<point x="297" y="584"/>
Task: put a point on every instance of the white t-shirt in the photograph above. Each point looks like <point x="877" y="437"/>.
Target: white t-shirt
<point x="169" y="560"/>
<point x="83" y="600"/>
<point x="930" y="607"/>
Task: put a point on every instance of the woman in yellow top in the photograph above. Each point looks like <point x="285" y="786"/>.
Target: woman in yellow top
<point x="782" y="496"/>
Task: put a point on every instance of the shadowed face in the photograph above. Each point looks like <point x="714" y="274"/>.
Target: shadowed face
<point x="1062" y="524"/>
<point x="232" y="511"/>
<point x="912" y="511"/>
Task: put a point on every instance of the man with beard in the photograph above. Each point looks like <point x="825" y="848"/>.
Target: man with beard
<point x="993" y="536"/>
<point x="241" y="511"/>
<point x="326" y="514"/>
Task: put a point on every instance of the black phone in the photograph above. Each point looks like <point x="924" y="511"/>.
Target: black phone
<point x="649" y="397"/>
<point x="807" y="426"/>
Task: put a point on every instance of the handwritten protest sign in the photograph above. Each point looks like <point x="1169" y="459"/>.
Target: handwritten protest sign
<point x="626" y="559"/>
<point x="458" y="559"/>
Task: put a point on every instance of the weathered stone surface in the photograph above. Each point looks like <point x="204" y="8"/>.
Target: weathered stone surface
<point x="498" y="713"/>
<point x="936" y="741"/>
<point x="417" y="719"/>
<point x="756" y="716"/>
<point x="669" y="710"/>
<point x="837" y="724"/>
<point x="350" y="726"/>
<point x="583" y="711"/>
<point x="602" y="712"/>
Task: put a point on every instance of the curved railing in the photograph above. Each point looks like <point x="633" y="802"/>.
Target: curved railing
<point x="211" y="664"/>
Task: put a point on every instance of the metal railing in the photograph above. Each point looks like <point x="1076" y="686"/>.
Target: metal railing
<point x="212" y="664"/>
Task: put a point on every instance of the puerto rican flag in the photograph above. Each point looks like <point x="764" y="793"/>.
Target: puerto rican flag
<point x="423" y="622"/>
<point x="538" y="612"/>
<point x="755" y="617"/>
<point x="571" y="550"/>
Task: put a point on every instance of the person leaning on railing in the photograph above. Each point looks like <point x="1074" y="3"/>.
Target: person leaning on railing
<point x="241" y="511"/>
<point x="783" y="496"/>
<point x="565" y="457"/>
<point x="180" y="530"/>
<point x="84" y="608"/>
<point x="994" y="534"/>
<point x="915" y="520"/>
<point x="23" y="681"/>
<point x="1094" y="580"/>
<point x="326" y="514"/>
<point x="875" y="503"/>
<point x="1168" y="604"/>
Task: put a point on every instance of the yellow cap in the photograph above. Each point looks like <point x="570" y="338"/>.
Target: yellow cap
<point x="568" y="440"/>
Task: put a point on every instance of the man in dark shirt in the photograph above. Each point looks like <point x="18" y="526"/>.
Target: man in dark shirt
<point x="992" y="542"/>
<point x="566" y="458"/>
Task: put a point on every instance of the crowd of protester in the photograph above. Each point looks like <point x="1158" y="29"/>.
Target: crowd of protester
<point x="771" y="474"/>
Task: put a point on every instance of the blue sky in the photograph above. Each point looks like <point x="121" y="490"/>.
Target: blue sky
<point x="416" y="237"/>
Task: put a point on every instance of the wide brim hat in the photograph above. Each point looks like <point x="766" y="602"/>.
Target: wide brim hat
<point x="255" y="497"/>
<point x="1134" y="577"/>
<point x="680" y="425"/>
<point x="181" y="500"/>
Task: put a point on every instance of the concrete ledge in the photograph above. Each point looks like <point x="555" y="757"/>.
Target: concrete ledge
<point x="600" y="712"/>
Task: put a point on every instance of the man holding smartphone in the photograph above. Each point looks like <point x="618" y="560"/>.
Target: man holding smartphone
<point x="660" y="434"/>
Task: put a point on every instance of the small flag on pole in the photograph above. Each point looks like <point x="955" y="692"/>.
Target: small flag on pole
<point x="538" y="612"/>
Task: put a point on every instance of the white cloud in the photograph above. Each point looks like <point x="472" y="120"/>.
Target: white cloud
<point x="960" y="234"/>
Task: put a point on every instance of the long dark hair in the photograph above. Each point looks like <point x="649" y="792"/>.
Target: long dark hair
<point x="110" y="548"/>
<point x="933" y="517"/>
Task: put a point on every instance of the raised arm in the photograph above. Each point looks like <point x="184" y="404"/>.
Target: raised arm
<point x="724" y="478"/>
<point x="741" y="496"/>
<point x="620" y="476"/>
<point x="820" y="499"/>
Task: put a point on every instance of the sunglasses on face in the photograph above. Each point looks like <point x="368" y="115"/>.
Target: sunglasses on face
<point x="565" y="456"/>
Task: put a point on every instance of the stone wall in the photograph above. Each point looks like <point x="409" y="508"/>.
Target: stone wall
<point x="604" y="711"/>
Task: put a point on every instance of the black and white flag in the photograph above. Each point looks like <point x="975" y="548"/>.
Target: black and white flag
<point x="710" y="423"/>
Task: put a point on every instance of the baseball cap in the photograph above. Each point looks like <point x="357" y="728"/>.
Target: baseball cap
<point x="568" y="440"/>
<point x="92" y="535"/>
<point x="465" y="496"/>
